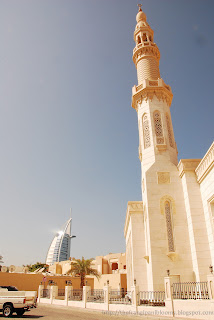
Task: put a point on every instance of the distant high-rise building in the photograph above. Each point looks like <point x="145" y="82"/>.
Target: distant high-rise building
<point x="60" y="246"/>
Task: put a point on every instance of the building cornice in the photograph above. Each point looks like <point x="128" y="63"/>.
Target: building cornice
<point x="150" y="88"/>
<point x="206" y="164"/>
<point x="186" y="165"/>
<point x="133" y="207"/>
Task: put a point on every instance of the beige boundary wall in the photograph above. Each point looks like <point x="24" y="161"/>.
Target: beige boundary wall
<point x="32" y="281"/>
<point x="173" y="309"/>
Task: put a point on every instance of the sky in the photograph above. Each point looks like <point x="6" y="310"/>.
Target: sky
<point x="68" y="134"/>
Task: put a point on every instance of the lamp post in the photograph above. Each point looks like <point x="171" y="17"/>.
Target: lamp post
<point x="211" y="269"/>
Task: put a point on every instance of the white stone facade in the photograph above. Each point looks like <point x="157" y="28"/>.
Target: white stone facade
<point x="172" y="228"/>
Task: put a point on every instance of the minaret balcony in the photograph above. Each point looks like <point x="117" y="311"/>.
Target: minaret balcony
<point x="150" y="88"/>
<point x="151" y="83"/>
<point x="144" y="44"/>
<point x="145" y="49"/>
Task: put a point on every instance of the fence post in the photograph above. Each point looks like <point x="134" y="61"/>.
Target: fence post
<point x="68" y="292"/>
<point x="168" y="294"/>
<point x="210" y="280"/>
<point x="106" y="290"/>
<point x="40" y="292"/>
<point x="53" y="292"/>
<point x="134" y="295"/>
<point x="86" y="291"/>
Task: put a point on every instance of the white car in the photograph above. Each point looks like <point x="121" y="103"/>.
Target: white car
<point x="12" y="300"/>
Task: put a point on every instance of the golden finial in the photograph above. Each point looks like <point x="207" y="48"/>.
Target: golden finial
<point x="140" y="5"/>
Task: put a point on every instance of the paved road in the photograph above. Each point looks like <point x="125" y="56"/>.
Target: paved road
<point x="51" y="312"/>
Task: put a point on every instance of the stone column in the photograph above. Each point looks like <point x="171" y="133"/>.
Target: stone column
<point x="86" y="291"/>
<point x="106" y="290"/>
<point x="168" y="294"/>
<point x="210" y="279"/>
<point x="134" y="295"/>
<point x="53" y="293"/>
<point x="40" y="292"/>
<point x="68" y="292"/>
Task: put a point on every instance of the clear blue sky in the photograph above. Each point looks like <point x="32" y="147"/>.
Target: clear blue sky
<point x="68" y="134"/>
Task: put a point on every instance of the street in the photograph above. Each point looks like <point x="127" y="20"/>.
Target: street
<point x="51" y="312"/>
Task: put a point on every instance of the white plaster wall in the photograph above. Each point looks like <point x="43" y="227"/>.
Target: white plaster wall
<point x="159" y="261"/>
<point x="79" y="304"/>
<point x="96" y="306"/>
<point x="153" y="161"/>
<point x="207" y="193"/>
<point x="194" y="309"/>
<point x="59" y="302"/>
<point x="138" y="251"/>
<point x="196" y="225"/>
<point x="129" y="257"/>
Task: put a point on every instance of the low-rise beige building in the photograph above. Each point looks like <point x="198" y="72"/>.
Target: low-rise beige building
<point x="60" y="267"/>
<point x="112" y="270"/>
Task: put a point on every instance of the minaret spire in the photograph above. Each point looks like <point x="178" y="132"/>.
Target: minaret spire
<point x="150" y="88"/>
<point x="139" y="5"/>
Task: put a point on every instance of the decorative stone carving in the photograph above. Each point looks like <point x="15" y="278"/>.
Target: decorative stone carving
<point x="144" y="91"/>
<point x="206" y="164"/>
<point x="163" y="177"/>
<point x="161" y="95"/>
<point x="136" y="206"/>
<point x="147" y="258"/>
<point x="139" y="102"/>
<point x="161" y="147"/>
<point x="172" y="255"/>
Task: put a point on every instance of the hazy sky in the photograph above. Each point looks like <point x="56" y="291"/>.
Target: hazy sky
<point x="68" y="134"/>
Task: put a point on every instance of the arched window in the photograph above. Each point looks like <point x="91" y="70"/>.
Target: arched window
<point x="146" y="133"/>
<point x="169" y="228"/>
<point x="138" y="40"/>
<point x="158" y="127"/>
<point x="169" y="129"/>
<point x="144" y="37"/>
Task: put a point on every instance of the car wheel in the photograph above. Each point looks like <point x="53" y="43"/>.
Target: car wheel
<point x="7" y="311"/>
<point x="20" y="312"/>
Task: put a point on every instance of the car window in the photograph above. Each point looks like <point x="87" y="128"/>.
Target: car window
<point x="9" y="288"/>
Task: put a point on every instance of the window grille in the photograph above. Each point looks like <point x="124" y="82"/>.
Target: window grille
<point x="158" y="128"/>
<point x="169" y="131"/>
<point x="169" y="227"/>
<point x="146" y="133"/>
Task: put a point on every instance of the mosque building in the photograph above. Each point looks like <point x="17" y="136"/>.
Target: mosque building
<point x="171" y="231"/>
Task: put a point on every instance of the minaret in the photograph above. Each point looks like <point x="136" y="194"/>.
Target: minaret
<point x="151" y="98"/>
<point x="156" y="229"/>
